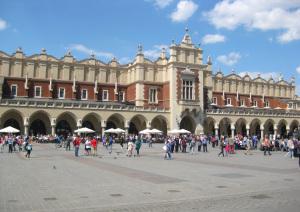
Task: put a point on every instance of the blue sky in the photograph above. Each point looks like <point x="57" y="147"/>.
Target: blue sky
<point x="240" y="35"/>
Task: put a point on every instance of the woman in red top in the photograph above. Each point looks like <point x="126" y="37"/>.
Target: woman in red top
<point x="94" y="146"/>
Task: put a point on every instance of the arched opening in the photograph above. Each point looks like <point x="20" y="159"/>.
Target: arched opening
<point x="39" y="123"/>
<point x="269" y="127"/>
<point x="137" y="123"/>
<point x="225" y="127"/>
<point x="14" y="119"/>
<point x="209" y="126"/>
<point x="281" y="128"/>
<point x="66" y="124"/>
<point x="160" y="123"/>
<point x="294" y="128"/>
<point x="240" y="127"/>
<point x="115" y="121"/>
<point x="255" y="127"/>
<point x="188" y="123"/>
<point x="92" y="121"/>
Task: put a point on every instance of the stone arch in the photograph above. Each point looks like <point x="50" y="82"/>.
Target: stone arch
<point x="66" y="123"/>
<point x="137" y="123"/>
<point x="241" y="127"/>
<point x="92" y="121"/>
<point x="188" y="123"/>
<point x="281" y="128"/>
<point x="39" y="123"/>
<point x="116" y="120"/>
<point x="225" y="127"/>
<point x="294" y="127"/>
<point x="269" y="127"/>
<point x="209" y="126"/>
<point x="160" y="123"/>
<point x="13" y="118"/>
<point x="255" y="127"/>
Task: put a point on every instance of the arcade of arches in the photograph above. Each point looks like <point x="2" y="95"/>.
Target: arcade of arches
<point x="40" y="122"/>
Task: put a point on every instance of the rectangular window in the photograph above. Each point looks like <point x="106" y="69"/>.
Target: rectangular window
<point x="290" y="105"/>
<point x="215" y="100"/>
<point x="84" y="94"/>
<point x="152" y="95"/>
<point x="105" y="95"/>
<point x="242" y="103"/>
<point x="14" y="90"/>
<point x="267" y="104"/>
<point x="61" y="93"/>
<point x="254" y="103"/>
<point x="121" y="96"/>
<point x="228" y="101"/>
<point x="37" y="91"/>
<point x="187" y="90"/>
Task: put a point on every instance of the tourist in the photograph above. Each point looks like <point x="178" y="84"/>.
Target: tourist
<point x="28" y="149"/>
<point x="87" y="146"/>
<point x="192" y="145"/>
<point x="94" y="146"/>
<point x="138" y="145"/>
<point x="68" y="144"/>
<point x="10" y="143"/>
<point x="200" y="143"/>
<point x="222" y="145"/>
<point x="204" y="143"/>
<point x="266" y="145"/>
<point x="183" y="144"/>
<point x="76" y="143"/>
<point x="291" y="147"/>
<point x="130" y="147"/>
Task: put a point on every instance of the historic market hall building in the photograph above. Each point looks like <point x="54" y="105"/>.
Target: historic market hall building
<point x="41" y="94"/>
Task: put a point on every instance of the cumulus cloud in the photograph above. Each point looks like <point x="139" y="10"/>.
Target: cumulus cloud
<point x="230" y="59"/>
<point x="213" y="38"/>
<point x="154" y="53"/>
<point x="3" y="24"/>
<point x="83" y="49"/>
<point x="184" y="10"/>
<point x="282" y="15"/>
<point x="161" y="3"/>
<point x="266" y="75"/>
<point x="298" y="69"/>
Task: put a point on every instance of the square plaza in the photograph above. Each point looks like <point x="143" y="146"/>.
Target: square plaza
<point x="54" y="180"/>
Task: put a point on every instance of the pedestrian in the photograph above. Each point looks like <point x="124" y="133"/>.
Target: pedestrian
<point x="87" y="146"/>
<point x="291" y="148"/>
<point x="130" y="146"/>
<point x="222" y="145"/>
<point x="10" y="144"/>
<point x="200" y="143"/>
<point x="266" y="145"/>
<point x="298" y="151"/>
<point x="138" y="145"/>
<point x="68" y="142"/>
<point x="76" y="143"/>
<point x="94" y="146"/>
<point x="192" y="145"/>
<point x="204" y="143"/>
<point x="28" y="150"/>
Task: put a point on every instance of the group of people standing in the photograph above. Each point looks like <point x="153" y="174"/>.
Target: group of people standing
<point x="16" y="144"/>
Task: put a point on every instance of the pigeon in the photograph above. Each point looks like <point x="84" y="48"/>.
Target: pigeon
<point x="54" y="167"/>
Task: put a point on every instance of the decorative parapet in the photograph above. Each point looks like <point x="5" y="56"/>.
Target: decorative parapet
<point x="73" y="104"/>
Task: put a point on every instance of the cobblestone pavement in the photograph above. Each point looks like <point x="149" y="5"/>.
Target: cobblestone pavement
<point x="54" y="180"/>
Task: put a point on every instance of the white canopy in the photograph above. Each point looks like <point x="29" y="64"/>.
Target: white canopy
<point x="148" y="131"/>
<point x="117" y="131"/>
<point x="9" y="129"/>
<point x="179" y="131"/>
<point x="84" y="130"/>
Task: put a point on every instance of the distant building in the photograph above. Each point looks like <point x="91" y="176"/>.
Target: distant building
<point x="41" y="94"/>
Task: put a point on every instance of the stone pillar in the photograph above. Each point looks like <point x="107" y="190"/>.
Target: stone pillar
<point x="26" y="129"/>
<point x="232" y="130"/>
<point x="126" y="126"/>
<point x="261" y="132"/>
<point x="103" y="127"/>
<point x="148" y="125"/>
<point x="79" y="123"/>
<point x="217" y="130"/>
<point x="53" y="124"/>
<point x="248" y="130"/>
<point x="275" y="130"/>
<point x="199" y="129"/>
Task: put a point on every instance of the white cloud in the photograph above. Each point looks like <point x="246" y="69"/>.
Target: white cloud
<point x="154" y="53"/>
<point x="266" y="75"/>
<point x="282" y="15"/>
<point x="230" y="59"/>
<point x="213" y="38"/>
<point x="185" y="9"/>
<point x="298" y="69"/>
<point x="161" y="3"/>
<point x="3" y="24"/>
<point x="83" y="49"/>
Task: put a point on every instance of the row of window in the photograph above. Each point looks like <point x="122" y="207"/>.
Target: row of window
<point x="84" y="94"/>
<point x="241" y="102"/>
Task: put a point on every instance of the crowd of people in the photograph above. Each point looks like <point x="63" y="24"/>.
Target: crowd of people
<point x="131" y="144"/>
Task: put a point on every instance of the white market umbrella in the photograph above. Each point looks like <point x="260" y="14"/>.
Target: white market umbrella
<point x="84" y="130"/>
<point x="9" y="129"/>
<point x="111" y="130"/>
<point x="119" y="130"/>
<point x="156" y="131"/>
<point x="184" y="131"/>
<point x="145" y="131"/>
<point x="177" y="131"/>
